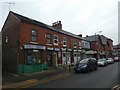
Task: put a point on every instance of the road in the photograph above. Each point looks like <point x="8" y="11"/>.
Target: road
<point x="104" y="77"/>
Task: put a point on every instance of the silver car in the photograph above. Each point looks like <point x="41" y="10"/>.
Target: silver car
<point x="102" y="62"/>
<point x="110" y="60"/>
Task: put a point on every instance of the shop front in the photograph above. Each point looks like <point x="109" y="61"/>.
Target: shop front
<point x="79" y="55"/>
<point x="33" y="58"/>
<point x="75" y="56"/>
<point x="52" y="56"/>
<point x="69" y="56"/>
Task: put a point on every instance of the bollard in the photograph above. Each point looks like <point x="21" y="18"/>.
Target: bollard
<point x="69" y="68"/>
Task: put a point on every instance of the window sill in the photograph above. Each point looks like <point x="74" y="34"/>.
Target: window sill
<point x="34" y="42"/>
<point x="49" y="44"/>
<point x="64" y="45"/>
<point x="56" y="44"/>
<point x="75" y="47"/>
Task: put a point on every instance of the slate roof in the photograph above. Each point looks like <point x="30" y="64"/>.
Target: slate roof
<point x="116" y="46"/>
<point x="103" y="39"/>
<point x="91" y="38"/>
<point x="35" y="22"/>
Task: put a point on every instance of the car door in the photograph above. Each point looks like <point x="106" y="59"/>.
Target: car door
<point x="91" y="64"/>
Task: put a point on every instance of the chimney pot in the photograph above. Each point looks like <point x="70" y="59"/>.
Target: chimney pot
<point x="57" y="25"/>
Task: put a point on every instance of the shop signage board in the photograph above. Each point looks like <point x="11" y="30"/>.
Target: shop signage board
<point x="75" y="50"/>
<point x="33" y="46"/>
<point x="69" y="49"/>
<point x="63" y="49"/>
<point x="57" y="49"/>
<point x="50" y="48"/>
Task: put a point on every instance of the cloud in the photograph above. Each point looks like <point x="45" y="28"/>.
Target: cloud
<point x="77" y="16"/>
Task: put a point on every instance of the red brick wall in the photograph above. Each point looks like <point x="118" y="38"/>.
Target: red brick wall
<point x="10" y="55"/>
<point x="25" y="36"/>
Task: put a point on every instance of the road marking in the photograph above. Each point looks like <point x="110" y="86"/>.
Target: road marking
<point x="45" y="80"/>
<point x="18" y="84"/>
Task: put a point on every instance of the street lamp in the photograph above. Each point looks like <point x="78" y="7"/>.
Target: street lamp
<point x="96" y="42"/>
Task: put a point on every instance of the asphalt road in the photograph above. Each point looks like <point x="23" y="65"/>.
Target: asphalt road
<point x="104" y="77"/>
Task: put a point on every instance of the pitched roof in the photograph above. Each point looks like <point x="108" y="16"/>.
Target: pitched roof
<point x="103" y="39"/>
<point x="91" y="38"/>
<point x="35" y="22"/>
<point x="116" y="46"/>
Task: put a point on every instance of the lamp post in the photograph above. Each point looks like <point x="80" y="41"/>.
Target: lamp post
<point x="96" y="43"/>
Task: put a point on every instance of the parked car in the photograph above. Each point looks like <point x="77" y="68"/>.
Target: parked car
<point x="116" y="59"/>
<point x="86" y="65"/>
<point x="110" y="61"/>
<point x="102" y="62"/>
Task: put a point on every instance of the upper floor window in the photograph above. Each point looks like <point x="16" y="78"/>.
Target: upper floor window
<point x="34" y="35"/>
<point x="75" y="44"/>
<point x="80" y="45"/>
<point x="55" y="40"/>
<point x="64" y="41"/>
<point x="48" y="38"/>
<point x="6" y="39"/>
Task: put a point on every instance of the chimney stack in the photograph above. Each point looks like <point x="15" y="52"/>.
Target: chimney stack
<point x="80" y="35"/>
<point x="57" y="25"/>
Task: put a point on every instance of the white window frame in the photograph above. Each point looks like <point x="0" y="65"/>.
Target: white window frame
<point x="80" y="45"/>
<point x="55" y="39"/>
<point x="75" y="44"/>
<point x="64" y="41"/>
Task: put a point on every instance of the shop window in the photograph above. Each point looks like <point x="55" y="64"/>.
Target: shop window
<point x="33" y="57"/>
<point x="36" y="57"/>
<point x="34" y="35"/>
<point x="64" y="41"/>
<point x="29" y="57"/>
<point x="48" y="38"/>
<point x="55" y="40"/>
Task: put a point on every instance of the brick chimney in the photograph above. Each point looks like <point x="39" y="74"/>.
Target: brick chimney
<point x="80" y="35"/>
<point x="57" y="25"/>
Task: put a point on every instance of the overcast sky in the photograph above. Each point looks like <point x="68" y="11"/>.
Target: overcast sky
<point x="85" y="17"/>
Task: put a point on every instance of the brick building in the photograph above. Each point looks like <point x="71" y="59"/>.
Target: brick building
<point x="102" y="45"/>
<point x="30" y="46"/>
<point x="116" y="50"/>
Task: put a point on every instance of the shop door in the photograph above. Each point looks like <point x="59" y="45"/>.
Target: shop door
<point x="75" y="57"/>
<point x="55" y="59"/>
<point x="64" y="58"/>
<point x="68" y="58"/>
<point x="49" y="59"/>
<point x="79" y="58"/>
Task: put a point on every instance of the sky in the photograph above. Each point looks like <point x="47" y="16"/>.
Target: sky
<point x="85" y="17"/>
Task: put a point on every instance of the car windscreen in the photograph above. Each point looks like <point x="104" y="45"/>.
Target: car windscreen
<point x="100" y="60"/>
<point x="84" y="60"/>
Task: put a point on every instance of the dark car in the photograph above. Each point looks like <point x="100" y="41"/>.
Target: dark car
<point x="102" y="62"/>
<point x="86" y="65"/>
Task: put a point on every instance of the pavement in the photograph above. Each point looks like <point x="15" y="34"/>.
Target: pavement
<point x="10" y="80"/>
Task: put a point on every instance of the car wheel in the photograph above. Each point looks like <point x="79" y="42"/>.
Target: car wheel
<point x="96" y="68"/>
<point x="87" y="70"/>
<point x="104" y="65"/>
<point x="76" y="71"/>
